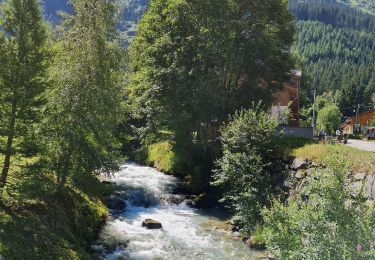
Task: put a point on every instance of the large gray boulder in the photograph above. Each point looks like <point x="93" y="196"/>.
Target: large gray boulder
<point x="116" y="204"/>
<point x="355" y="188"/>
<point x="151" y="224"/>
<point x="299" y="163"/>
<point x="359" y="176"/>
<point x="370" y="187"/>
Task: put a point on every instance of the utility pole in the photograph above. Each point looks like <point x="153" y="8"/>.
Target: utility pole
<point x="356" y="117"/>
<point x="313" y="121"/>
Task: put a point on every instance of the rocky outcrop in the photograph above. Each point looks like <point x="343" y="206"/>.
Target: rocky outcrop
<point x="301" y="169"/>
<point x="369" y="190"/>
<point x="151" y="224"/>
<point x="299" y="163"/>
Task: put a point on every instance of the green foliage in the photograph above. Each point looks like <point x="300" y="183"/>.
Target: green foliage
<point x="190" y="68"/>
<point x="286" y="145"/>
<point x="360" y="161"/>
<point x="23" y="59"/>
<point x="321" y="222"/>
<point x="372" y="122"/>
<point x="329" y="118"/>
<point x="85" y="104"/>
<point x="248" y="170"/>
<point x="161" y="155"/>
<point x="39" y="223"/>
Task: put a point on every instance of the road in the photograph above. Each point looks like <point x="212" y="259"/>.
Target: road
<point x="362" y="145"/>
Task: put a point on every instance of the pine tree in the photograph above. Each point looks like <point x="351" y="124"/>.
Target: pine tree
<point x="85" y="104"/>
<point x="23" y="56"/>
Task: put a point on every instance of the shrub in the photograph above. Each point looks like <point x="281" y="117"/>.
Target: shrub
<point x="372" y="121"/>
<point x="329" y="118"/>
<point x="248" y="169"/>
<point x="321" y="222"/>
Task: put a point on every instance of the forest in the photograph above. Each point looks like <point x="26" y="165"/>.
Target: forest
<point x="336" y="42"/>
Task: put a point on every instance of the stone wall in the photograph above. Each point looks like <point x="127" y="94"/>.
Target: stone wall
<point x="300" y="169"/>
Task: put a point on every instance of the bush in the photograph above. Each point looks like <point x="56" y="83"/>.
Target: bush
<point x="321" y="222"/>
<point x="249" y="169"/>
<point x="329" y="118"/>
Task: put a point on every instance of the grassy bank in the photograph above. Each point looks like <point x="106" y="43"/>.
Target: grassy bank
<point x="358" y="161"/>
<point x="38" y="222"/>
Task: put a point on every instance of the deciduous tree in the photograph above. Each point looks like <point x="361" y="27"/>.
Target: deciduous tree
<point x="85" y="105"/>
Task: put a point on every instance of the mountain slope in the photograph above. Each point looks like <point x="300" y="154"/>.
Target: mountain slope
<point x="364" y="5"/>
<point x="337" y="42"/>
<point x="132" y="13"/>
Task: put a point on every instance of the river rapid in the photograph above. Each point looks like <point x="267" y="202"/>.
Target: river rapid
<point x="187" y="233"/>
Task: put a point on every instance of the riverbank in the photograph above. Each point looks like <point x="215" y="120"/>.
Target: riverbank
<point x="38" y="222"/>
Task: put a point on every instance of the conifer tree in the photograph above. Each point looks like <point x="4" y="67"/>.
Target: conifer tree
<point x="23" y="56"/>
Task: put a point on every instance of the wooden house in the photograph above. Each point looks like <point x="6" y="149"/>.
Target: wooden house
<point x="288" y="98"/>
<point x="360" y="122"/>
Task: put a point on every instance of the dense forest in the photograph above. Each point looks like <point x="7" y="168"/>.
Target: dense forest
<point x="337" y="42"/>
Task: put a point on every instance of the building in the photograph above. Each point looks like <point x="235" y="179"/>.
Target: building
<point x="286" y="108"/>
<point x="358" y="124"/>
<point x="288" y="99"/>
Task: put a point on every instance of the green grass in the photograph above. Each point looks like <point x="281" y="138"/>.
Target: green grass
<point x="357" y="160"/>
<point x="38" y="222"/>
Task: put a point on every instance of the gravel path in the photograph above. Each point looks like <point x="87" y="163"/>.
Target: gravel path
<point x="362" y="145"/>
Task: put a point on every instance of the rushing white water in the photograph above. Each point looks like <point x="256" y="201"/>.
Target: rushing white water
<point x="187" y="233"/>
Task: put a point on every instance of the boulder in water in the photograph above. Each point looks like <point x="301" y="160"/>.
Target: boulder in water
<point x="151" y="224"/>
<point x="116" y="204"/>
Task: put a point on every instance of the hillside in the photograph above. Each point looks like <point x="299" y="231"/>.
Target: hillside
<point x="364" y="5"/>
<point x="337" y="43"/>
<point x="132" y="13"/>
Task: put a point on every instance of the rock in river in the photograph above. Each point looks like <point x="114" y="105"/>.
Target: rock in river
<point x="151" y="224"/>
<point x="116" y="204"/>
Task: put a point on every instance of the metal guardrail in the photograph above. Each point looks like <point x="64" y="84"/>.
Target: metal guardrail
<point x="289" y="131"/>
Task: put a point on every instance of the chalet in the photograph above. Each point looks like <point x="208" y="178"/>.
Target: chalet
<point x="286" y="108"/>
<point x="288" y="99"/>
<point x="359" y="123"/>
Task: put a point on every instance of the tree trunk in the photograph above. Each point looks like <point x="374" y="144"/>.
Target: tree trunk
<point x="64" y="170"/>
<point x="8" y="151"/>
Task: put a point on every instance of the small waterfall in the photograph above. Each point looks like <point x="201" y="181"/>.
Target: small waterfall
<point x="186" y="232"/>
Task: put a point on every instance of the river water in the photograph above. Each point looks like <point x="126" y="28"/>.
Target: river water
<point x="187" y="233"/>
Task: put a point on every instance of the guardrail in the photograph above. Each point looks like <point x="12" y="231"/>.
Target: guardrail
<point x="289" y="131"/>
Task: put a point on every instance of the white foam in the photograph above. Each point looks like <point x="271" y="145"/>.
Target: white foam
<point x="182" y="235"/>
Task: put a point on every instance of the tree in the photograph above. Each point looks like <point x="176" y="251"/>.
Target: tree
<point x="248" y="169"/>
<point x="372" y="122"/>
<point x="329" y="118"/>
<point x="187" y="75"/>
<point x="23" y="70"/>
<point x="85" y="106"/>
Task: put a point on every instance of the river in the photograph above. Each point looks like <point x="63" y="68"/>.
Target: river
<point x="187" y="233"/>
